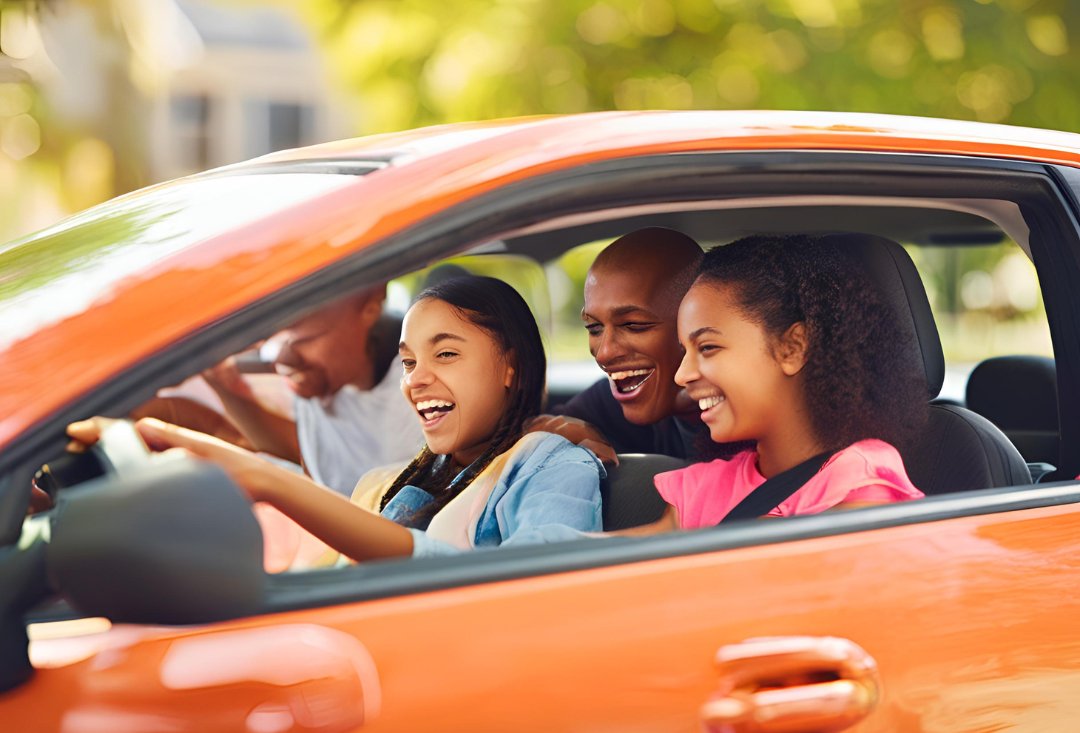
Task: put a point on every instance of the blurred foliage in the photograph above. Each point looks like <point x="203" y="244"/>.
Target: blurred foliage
<point x="524" y="274"/>
<point x="419" y="62"/>
<point x="52" y="163"/>
<point x="986" y="300"/>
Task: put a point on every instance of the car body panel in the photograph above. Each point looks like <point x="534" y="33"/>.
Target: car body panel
<point x="433" y="170"/>
<point x="631" y="648"/>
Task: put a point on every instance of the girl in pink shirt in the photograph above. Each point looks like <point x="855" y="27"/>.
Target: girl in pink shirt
<point x="788" y="345"/>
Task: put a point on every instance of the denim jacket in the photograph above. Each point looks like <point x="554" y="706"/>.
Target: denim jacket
<point x="547" y="491"/>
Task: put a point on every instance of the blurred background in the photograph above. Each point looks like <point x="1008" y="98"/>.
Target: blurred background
<point x="100" y="97"/>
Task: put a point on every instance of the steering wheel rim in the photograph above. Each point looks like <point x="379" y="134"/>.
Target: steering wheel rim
<point x="120" y="448"/>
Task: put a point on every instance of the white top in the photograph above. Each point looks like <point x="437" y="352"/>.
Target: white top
<point x="344" y="436"/>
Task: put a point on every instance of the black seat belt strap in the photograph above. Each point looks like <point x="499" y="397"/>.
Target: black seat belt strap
<point x="777" y="490"/>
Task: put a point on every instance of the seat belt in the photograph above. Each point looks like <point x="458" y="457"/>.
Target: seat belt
<point x="776" y="490"/>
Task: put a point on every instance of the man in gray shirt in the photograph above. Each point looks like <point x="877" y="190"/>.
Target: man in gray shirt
<point x="350" y="416"/>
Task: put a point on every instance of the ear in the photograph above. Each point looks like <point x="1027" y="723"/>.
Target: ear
<point x="511" y="360"/>
<point x="793" y="348"/>
<point x="371" y="309"/>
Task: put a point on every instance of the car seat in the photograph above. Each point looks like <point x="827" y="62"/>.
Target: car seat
<point x="958" y="450"/>
<point x="1019" y="395"/>
<point x="628" y="496"/>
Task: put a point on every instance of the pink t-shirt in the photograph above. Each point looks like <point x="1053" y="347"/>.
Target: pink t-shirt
<point x="870" y="470"/>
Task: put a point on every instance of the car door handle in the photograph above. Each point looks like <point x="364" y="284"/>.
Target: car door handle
<point x="791" y="684"/>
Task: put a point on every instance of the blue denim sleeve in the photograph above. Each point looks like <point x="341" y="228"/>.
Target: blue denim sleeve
<point x="424" y="546"/>
<point x="558" y="502"/>
<point x="557" y="498"/>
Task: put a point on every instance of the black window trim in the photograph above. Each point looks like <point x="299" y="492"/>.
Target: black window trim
<point x="1050" y="215"/>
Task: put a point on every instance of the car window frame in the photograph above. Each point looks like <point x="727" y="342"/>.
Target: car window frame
<point x="1053" y="218"/>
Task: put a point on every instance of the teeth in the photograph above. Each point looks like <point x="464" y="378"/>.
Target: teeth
<point x="624" y="375"/>
<point x="708" y="402"/>
<point x="431" y="404"/>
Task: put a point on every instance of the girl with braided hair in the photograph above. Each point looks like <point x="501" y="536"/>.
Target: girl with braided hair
<point x="474" y="371"/>
<point x="520" y="487"/>
<point x="786" y="344"/>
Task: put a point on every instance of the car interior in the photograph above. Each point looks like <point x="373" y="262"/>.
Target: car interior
<point x="1000" y="430"/>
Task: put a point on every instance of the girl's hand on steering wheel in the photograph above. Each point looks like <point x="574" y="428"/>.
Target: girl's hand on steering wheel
<point x="86" y="433"/>
<point x="251" y="473"/>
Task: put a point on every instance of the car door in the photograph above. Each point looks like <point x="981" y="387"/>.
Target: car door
<point x="969" y="621"/>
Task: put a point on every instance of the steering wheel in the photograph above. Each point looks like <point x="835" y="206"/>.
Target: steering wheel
<point x="119" y="450"/>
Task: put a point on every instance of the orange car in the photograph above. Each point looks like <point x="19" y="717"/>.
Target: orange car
<point x="143" y="592"/>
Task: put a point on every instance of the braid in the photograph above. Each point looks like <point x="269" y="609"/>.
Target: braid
<point x="418" y="471"/>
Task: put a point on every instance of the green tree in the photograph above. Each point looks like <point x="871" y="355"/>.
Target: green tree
<point x="419" y="62"/>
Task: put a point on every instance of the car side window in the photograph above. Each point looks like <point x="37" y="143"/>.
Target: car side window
<point x="987" y="303"/>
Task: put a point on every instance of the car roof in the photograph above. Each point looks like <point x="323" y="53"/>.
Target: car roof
<point x="636" y="132"/>
<point x="410" y="176"/>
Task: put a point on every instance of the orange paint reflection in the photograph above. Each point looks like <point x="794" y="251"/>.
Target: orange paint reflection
<point x="300" y="678"/>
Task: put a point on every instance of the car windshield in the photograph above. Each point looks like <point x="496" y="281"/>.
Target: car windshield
<point x="59" y="271"/>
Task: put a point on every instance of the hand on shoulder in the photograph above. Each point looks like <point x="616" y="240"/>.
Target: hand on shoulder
<point x="576" y="431"/>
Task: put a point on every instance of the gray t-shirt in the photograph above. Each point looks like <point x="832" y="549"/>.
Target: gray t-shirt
<point x="344" y="436"/>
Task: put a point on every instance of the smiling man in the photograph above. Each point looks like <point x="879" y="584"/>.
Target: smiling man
<point x="632" y="296"/>
<point x="341" y="364"/>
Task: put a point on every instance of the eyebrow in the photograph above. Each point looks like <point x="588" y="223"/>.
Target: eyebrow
<point x="444" y="337"/>
<point x="624" y="310"/>
<point x="707" y="329"/>
<point x="435" y="339"/>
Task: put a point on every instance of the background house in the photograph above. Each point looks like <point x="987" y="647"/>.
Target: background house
<point x="254" y="84"/>
<point x="98" y="99"/>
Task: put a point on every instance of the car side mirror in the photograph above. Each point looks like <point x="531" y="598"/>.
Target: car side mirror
<point x="173" y="543"/>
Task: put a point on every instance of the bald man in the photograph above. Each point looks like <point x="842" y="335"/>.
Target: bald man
<point x="632" y="296"/>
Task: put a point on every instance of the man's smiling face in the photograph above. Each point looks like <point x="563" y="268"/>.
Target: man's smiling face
<point x="631" y="316"/>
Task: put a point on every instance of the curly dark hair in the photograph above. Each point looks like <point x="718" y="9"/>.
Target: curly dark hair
<point x="864" y="377"/>
<point x="499" y="310"/>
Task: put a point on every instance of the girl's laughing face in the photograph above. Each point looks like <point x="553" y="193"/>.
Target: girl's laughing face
<point x="732" y="368"/>
<point x="456" y="378"/>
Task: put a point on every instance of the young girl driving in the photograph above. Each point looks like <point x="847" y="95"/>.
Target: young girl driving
<point x="474" y="371"/>
<point x="787" y="345"/>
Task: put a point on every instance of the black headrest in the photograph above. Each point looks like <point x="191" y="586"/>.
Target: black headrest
<point x="628" y="496"/>
<point x="898" y="283"/>
<point x="383" y="341"/>
<point x="1015" y="392"/>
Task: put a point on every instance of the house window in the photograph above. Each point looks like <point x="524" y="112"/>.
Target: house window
<point x="191" y="132"/>
<point x="273" y="126"/>
<point x="289" y="125"/>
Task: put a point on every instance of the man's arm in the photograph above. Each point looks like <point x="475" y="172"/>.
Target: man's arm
<point x="192" y="415"/>
<point x="600" y="409"/>
<point x="264" y="430"/>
